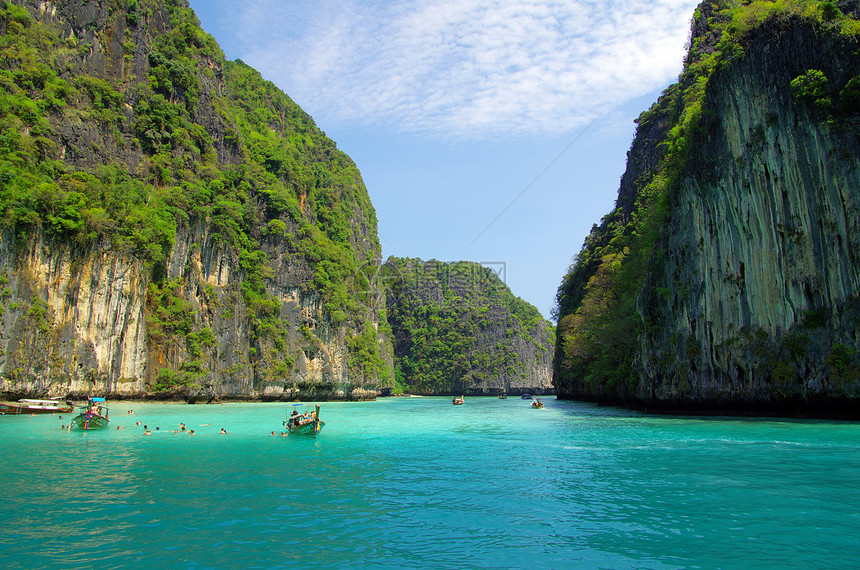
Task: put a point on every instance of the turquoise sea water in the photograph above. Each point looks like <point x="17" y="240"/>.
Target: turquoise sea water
<point x="418" y="483"/>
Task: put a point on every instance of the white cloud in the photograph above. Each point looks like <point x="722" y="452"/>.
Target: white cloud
<point x="465" y="68"/>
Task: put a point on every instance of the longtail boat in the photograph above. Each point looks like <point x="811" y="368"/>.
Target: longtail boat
<point x="29" y="406"/>
<point x="458" y="401"/>
<point x="536" y="403"/>
<point x="304" y="423"/>
<point x="94" y="415"/>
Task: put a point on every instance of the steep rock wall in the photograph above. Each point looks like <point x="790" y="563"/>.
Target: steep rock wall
<point x="726" y="278"/>
<point x="71" y="324"/>
<point x="75" y="324"/>
<point x="754" y="298"/>
<point x="211" y="227"/>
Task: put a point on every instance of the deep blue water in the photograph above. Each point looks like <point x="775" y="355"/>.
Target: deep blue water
<point x="418" y="483"/>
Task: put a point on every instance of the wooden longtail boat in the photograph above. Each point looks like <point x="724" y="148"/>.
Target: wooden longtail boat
<point x="95" y="415"/>
<point x="304" y="424"/>
<point x="28" y="406"/>
<point x="458" y="401"/>
<point x="537" y="403"/>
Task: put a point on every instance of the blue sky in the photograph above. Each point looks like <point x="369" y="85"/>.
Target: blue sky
<point x="493" y="131"/>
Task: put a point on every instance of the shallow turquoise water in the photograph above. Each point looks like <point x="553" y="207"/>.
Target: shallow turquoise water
<point x="418" y="483"/>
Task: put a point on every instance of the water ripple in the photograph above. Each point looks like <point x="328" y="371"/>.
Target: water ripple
<point x="416" y="483"/>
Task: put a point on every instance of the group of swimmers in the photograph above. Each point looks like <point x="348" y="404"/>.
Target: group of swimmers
<point x="147" y="431"/>
<point x="295" y="420"/>
<point x="180" y="429"/>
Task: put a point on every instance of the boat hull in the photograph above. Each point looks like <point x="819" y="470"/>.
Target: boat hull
<point x="310" y="428"/>
<point x="90" y="421"/>
<point x="24" y="407"/>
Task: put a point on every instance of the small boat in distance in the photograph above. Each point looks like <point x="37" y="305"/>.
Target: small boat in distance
<point x="458" y="401"/>
<point x="28" y="406"/>
<point x="503" y="396"/>
<point x="526" y="397"/>
<point x="94" y="415"/>
<point x="304" y="423"/>
<point x="536" y="403"/>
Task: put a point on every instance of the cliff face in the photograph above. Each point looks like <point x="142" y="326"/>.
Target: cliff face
<point x="747" y="242"/>
<point x="76" y="323"/>
<point x="761" y="264"/>
<point x="174" y="225"/>
<point x="458" y="330"/>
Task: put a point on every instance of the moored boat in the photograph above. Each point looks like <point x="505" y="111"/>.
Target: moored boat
<point x="503" y="396"/>
<point x="94" y="415"/>
<point x="31" y="406"/>
<point x="304" y="423"/>
<point x="526" y="397"/>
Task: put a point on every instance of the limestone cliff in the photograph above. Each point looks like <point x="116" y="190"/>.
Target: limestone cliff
<point x="174" y="225"/>
<point x="458" y="330"/>
<point x="739" y="238"/>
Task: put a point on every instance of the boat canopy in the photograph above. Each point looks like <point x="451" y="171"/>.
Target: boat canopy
<point x="97" y="399"/>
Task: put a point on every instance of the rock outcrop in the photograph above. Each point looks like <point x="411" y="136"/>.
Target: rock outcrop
<point x="175" y="226"/>
<point x="761" y="260"/>
<point x="750" y="286"/>
<point x="458" y="330"/>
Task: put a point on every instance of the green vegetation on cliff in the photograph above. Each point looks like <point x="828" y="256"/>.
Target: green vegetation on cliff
<point x="600" y="303"/>
<point x="116" y="134"/>
<point x="458" y="329"/>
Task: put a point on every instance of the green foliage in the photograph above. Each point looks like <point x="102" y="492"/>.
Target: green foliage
<point x="843" y="365"/>
<point x="454" y="323"/>
<point x="170" y="328"/>
<point x="812" y="88"/>
<point x="816" y="318"/>
<point x="187" y="377"/>
<point x="796" y="345"/>
<point x="197" y="341"/>
<point x="850" y="95"/>
<point x="38" y="315"/>
<point x="105" y="100"/>
<point x="16" y="15"/>
<point x="365" y="359"/>
<point x="783" y="374"/>
<point x="829" y="11"/>
<point x="169" y="317"/>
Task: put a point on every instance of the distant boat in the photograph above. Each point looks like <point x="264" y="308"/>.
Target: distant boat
<point x="537" y="403"/>
<point x="458" y="401"/>
<point x="28" y="406"/>
<point x="526" y="396"/>
<point x="95" y="415"/>
<point x="304" y="423"/>
<point x="503" y="396"/>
